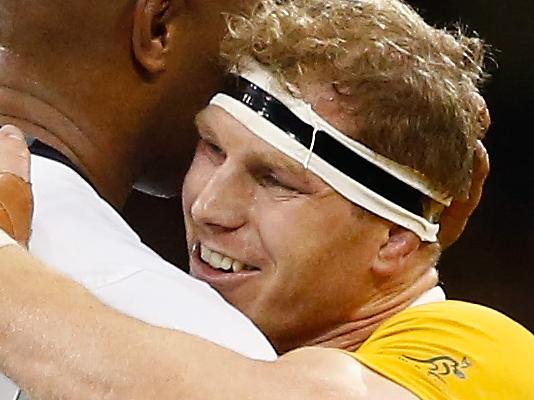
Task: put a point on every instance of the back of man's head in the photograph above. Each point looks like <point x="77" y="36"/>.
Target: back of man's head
<point x="65" y="49"/>
<point x="129" y="74"/>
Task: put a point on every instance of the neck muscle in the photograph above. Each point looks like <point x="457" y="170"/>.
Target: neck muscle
<point x="351" y="335"/>
<point x="42" y="120"/>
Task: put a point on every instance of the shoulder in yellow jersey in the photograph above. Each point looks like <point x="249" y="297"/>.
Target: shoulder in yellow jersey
<point x="453" y="350"/>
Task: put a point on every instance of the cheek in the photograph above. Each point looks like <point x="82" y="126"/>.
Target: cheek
<point x="318" y="265"/>
<point x="302" y="236"/>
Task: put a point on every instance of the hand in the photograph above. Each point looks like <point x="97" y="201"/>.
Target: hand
<point x="16" y="201"/>
<point x="454" y="219"/>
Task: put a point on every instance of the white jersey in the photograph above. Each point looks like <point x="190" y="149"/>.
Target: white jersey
<point x="77" y="233"/>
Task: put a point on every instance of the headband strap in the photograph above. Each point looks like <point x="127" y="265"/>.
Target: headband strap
<point x="326" y="147"/>
<point x="354" y="171"/>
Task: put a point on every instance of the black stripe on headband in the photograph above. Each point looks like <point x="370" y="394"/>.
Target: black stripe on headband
<point x="326" y="147"/>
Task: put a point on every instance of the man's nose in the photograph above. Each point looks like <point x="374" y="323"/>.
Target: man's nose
<point x="224" y="202"/>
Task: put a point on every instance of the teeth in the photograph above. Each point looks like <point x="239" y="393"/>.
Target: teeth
<point x="215" y="259"/>
<point x="238" y="266"/>
<point x="218" y="261"/>
<point x="226" y="263"/>
<point x="205" y="253"/>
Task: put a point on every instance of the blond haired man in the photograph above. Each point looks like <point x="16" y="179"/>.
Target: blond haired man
<point x="312" y="206"/>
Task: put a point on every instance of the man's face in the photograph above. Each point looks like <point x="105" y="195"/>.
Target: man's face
<point x="298" y="253"/>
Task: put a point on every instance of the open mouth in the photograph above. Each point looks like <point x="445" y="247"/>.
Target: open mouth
<point x="222" y="262"/>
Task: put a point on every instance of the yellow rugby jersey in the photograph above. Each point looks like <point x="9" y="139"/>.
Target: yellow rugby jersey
<point x="453" y="350"/>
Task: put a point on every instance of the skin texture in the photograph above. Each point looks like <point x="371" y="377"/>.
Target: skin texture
<point x="15" y="158"/>
<point x="454" y="219"/>
<point x="97" y="353"/>
<point x="392" y="252"/>
<point x="114" y="355"/>
<point x="153" y="62"/>
<point x="246" y="200"/>
<point x="85" y="324"/>
<point x="16" y="204"/>
<point x="186" y="361"/>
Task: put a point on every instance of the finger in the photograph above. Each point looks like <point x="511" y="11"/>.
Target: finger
<point x="484" y="117"/>
<point x="456" y="216"/>
<point x="481" y="169"/>
<point x="14" y="154"/>
<point x="16" y="207"/>
<point x="482" y="161"/>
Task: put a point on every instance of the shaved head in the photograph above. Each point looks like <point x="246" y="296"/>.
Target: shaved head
<point x="128" y="74"/>
<point x="30" y="25"/>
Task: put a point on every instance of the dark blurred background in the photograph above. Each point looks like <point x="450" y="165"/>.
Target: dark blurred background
<point x="493" y="263"/>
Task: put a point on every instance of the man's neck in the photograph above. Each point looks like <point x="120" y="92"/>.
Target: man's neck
<point x="46" y="123"/>
<point x="351" y="335"/>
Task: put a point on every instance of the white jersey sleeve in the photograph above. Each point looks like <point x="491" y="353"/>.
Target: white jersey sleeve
<point x="79" y="234"/>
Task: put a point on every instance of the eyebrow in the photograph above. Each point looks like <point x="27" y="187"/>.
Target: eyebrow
<point x="205" y="127"/>
<point x="200" y="122"/>
<point x="275" y="160"/>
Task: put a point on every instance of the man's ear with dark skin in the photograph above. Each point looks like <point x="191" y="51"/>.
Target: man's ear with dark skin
<point x="152" y="32"/>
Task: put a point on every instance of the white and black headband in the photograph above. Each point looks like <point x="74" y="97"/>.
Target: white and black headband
<point x="374" y="182"/>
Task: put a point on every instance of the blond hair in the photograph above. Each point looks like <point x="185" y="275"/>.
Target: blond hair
<point x="417" y="85"/>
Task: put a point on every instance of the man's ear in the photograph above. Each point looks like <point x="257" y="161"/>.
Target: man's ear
<point x="151" y="33"/>
<point x="396" y="251"/>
